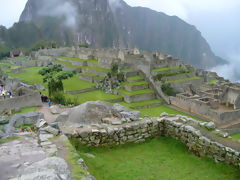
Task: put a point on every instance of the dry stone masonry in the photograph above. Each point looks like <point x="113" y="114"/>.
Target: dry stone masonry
<point x="197" y="136"/>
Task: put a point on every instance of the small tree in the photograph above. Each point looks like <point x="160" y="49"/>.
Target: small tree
<point x="168" y="90"/>
<point x="53" y="76"/>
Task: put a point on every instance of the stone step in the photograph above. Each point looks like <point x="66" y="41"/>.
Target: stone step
<point x="136" y="96"/>
<point x="135" y="79"/>
<point x="136" y="86"/>
<point x="91" y="77"/>
<point x="94" y="71"/>
<point x="130" y="74"/>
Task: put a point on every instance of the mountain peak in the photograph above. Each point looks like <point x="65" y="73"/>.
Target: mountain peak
<point x="112" y="23"/>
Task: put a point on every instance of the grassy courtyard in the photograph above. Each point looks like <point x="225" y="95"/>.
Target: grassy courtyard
<point x="162" y="158"/>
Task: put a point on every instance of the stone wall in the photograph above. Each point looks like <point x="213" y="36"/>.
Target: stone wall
<point x="21" y="101"/>
<point x="178" y="127"/>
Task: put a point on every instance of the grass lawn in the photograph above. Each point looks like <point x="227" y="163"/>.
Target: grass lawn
<point x="68" y="64"/>
<point x="184" y="79"/>
<point x="72" y="58"/>
<point x="166" y="68"/>
<point x="212" y="80"/>
<point x="140" y="103"/>
<point x="156" y="111"/>
<point x="29" y="75"/>
<point x="236" y="136"/>
<point x="92" y="96"/>
<point x="27" y="110"/>
<point x="8" y="139"/>
<point x="157" y="159"/>
<point x="75" y="83"/>
<point x="132" y="93"/>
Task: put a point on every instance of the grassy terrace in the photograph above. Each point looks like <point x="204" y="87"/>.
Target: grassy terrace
<point x="75" y="83"/>
<point x="133" y="93"/>
<point x="93" y="96"/>
<point x="29" y="75"/>
<point x="92" y="75"/>
<point x="93" y="61"/>
<point x="156" y="111"/>
<point x="236" y="136"/>
<point x="68" y="64"/>
<point x="72" y="58"/>
<point x="140" y="103"/>
<point x="133" y="78"/>
<point x="212" y="80"/>
<point x="157" y="159"/>
<point x="166" y="68"/>
<point x="184" y="79"/>
<point x="135" y="83"/>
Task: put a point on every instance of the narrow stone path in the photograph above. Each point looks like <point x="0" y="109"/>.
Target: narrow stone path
<point x="18" y="154"/>
<point x="48" y="116"/>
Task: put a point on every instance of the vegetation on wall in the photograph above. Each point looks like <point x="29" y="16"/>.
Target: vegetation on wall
<point x="159" y="76"/>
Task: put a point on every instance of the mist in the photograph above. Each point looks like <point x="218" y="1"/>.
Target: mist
<point x="231" y="70"/>
<point x="60" y="8"/>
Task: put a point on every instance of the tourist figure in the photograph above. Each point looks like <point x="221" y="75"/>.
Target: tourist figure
<point x="49" y="102"/>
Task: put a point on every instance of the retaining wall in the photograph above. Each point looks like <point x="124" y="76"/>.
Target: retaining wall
<point x="20" y="102"/>
<point x="139" y="131"/>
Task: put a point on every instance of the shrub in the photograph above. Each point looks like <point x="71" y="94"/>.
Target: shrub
<point x="168" y="90"/>
<point x="59" y="98"/>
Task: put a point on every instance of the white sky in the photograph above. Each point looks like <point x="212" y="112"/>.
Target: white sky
<point x="218" y="20"/>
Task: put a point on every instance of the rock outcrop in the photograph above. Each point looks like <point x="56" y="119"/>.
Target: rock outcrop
<point x="53" y="168"/>
<point x="96" y="112"/>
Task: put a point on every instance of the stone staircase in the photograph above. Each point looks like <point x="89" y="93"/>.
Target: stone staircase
<point x="137" y="92"/>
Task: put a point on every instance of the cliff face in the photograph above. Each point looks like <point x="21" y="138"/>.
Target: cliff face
<point x="112" y="23"/>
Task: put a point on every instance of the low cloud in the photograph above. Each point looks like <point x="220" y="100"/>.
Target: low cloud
<point x="230" y="71"/>
<point x="59" y="8"/>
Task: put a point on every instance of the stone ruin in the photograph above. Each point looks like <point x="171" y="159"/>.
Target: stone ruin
<point x="22" y="96"/>
<point x="94" y="124"/>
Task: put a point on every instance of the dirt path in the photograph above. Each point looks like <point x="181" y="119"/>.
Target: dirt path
<point x="49" y="117"/>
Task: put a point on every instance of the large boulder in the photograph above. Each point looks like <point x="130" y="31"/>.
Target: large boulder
<point x="88" y="113"/>
<point x="29" y="118"/>
<point x="95" y="112"/>
<point x="52" y="168"/>
<point x="3" y="119"/>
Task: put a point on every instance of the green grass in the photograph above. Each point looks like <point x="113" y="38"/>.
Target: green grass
<point x="93" y="61"/>
<point x="68" y="64"/>
<point x="157" y="159"/>
<point x="97" y="68"/>
<point x="156" y="111"/>
<point x="135" y="83"/>
<point x="133" y="93"/>
<point x="75" y="83"/>
<point x="134" y="78"/>
<point x="72" y="158"/>
<point x="166" y="68"/>
<point x="93" y="96"/>
<point x="212" y="80"/>
<point x="72" y="59"/>
<point x="27" y="110"/>
<point x="5" y="140"/>
<point x="184" y="79"/>
<point x="140" y="103"/>
<point x="236" y="136"/>
<point x="29" y="75"/>
<point x="19" y="58"/>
